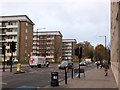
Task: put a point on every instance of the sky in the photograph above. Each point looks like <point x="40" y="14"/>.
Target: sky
<point x="83" y="20"/>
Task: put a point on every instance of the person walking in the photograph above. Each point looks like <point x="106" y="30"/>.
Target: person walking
<point x="106" y="67"/>
<point x="97" y="63"/>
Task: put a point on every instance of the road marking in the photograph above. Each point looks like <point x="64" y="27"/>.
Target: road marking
<point x="33" y="71"/>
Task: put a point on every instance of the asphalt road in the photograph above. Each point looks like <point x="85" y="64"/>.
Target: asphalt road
<point x="36" y="77"/>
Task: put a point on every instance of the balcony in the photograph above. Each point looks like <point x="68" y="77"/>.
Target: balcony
<point x="3" y="33"/>
<point x="7" y="47"/>
<point x="2" y="26"/>
<point x="50" y="38"/>
<point x="10" y="40"/>
<point x="9" y="54"/>
<point x="11" y="33"/>
<point x="12" y="26"/>
<point x="3" y="40"/>
<point x="50" y="56"/>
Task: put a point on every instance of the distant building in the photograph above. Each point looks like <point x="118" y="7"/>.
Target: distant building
<point x="68" y="49"/>
<point x="17" y="28"/>
<point x="49" y="44"/>
<point x="115" y="40"/>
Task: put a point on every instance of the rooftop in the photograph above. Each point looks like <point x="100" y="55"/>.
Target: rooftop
<point x="69" y="40"/>
<point x="16" y="18"/>
<point x="48" y="33"/>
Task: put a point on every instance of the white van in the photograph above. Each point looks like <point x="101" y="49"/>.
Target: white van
<point x="38" y="61"/>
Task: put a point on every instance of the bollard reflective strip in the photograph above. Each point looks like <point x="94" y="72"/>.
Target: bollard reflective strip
<point x="72" y="66"/>
<point x="66" y="69"/>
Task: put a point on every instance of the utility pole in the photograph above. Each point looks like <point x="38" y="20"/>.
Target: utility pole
<point x="105" y="47"/>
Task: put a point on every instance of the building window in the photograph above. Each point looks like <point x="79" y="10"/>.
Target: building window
<point x="26" y="24"/>
<point x="26" y="37"/>
<point x="26" y="30"/>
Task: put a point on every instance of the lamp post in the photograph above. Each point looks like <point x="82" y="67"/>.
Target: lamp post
<point x="37" y="36"/>
<point x="105" y="47"/>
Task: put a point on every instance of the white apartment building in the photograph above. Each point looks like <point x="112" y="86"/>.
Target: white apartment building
<point x="68" y="49"/>
<point x="17" y="28"/>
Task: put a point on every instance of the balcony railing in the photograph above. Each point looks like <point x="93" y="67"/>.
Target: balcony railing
<point x="11" y="33"/>
<point x="10" y="40"/>
<point x="11" y="26"/>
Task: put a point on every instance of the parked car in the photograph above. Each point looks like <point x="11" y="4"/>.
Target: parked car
<point x="65" y="64"/>
<point x="88" y="61"/>
<point x="83" y="63"/>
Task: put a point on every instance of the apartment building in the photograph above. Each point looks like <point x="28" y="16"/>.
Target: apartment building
<point x="48" y="44"/>
<point x="68" y="49"/>
<point x="17" y="28"/>
<point x="115" y="40"/>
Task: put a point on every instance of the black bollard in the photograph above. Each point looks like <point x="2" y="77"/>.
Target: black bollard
<point x="66" y="70"/>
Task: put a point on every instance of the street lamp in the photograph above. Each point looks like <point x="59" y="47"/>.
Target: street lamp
<point x="105" y="47"/>
<point x="37" y="36"/>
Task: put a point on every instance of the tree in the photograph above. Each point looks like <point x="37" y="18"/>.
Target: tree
<point x="88" y="49"/>
<point x="99" y="52"/>
<point x="58" y="50"/>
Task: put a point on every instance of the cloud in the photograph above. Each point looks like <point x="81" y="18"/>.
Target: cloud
<point x="80" y="19"/>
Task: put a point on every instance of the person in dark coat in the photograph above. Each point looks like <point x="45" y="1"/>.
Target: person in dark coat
<point x="106" y="67"/>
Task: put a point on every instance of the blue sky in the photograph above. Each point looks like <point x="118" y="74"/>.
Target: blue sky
<point x="83" y="20"/>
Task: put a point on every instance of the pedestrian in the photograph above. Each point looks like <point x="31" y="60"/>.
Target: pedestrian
<point x="97" y="63"/>
<point x="106" y="67"/>
<point x="101" y="64"/>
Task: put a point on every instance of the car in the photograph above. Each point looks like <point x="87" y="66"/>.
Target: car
<point x="83" y="63"/>
<point x="88" y="61"/>
<point x="65" y="64"/>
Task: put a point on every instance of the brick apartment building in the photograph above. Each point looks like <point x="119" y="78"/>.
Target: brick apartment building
<point x="17" y="28"/>
<point x="115" y="40"/>
<point x="49" y="44"/>
<point x="68" y="49"/>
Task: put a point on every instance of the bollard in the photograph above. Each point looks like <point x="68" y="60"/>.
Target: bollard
<point x="66" y="70"/>
<point x="72" y="70"/>
<point x="18" y="67"/>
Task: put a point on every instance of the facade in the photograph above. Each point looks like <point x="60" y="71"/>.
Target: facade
<point x="68" y="49"/>
<point x="48" y="44"/>
<point x="17" y="28"/>
<point x="115" y="40"/>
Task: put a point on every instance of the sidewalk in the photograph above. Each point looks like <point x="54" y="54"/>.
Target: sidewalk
<point x="93" y="79"/>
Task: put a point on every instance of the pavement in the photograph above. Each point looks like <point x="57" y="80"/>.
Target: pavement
<point x="94" y="79"/>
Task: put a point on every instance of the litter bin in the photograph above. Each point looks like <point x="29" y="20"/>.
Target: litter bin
<point x="54" y="79"/>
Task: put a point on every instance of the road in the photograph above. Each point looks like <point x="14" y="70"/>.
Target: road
<point x="36" y="77"/>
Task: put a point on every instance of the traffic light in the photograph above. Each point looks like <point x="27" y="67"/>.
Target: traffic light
<point x="78" y="52"/>
<point x="3" y="49"/>
<point x="13" y="46"/>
